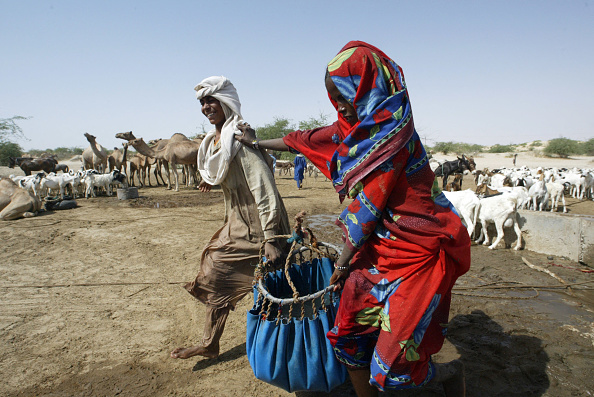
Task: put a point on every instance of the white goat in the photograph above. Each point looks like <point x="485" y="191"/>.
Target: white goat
<point x="467" y="204"/>
<point x="500" y="210"/>
<point x="59" y="182"/>
<point x="519" y="192"/>
<point x="539" y="194"/>
<point x="556" y="190"/>
<point x="31" y="183"/>
<point x="105" y="181"/>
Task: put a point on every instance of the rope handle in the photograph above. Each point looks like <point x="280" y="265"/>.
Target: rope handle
<point x="261" y="273"/>
<point x="297" y="237"/>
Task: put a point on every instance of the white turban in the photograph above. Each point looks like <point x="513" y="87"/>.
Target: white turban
<point x="214" y="167"/>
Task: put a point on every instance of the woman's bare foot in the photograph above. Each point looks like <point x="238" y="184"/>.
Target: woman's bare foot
<point x="187" y="352"/>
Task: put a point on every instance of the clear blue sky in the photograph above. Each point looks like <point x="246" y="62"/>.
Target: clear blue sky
<point x="477" y="71"/>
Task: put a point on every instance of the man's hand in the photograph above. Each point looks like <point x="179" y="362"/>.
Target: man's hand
<point x="272" y="252"/>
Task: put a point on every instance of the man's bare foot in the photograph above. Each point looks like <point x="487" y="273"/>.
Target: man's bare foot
<point x="451" y="376"/>
<point x="187" y="352"/>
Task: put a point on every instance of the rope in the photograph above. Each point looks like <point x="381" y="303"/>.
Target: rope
<point x="91" y="284"/>
<point x="499" y="297"/>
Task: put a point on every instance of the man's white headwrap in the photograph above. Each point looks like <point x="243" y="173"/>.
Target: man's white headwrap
<point x="213" y="168"/>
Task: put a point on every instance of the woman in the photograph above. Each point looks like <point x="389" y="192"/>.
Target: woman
<point x="254" y="211"/>
<point x="404" y="244"/>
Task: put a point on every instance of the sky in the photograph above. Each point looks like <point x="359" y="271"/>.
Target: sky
<point x="483" y="72"/>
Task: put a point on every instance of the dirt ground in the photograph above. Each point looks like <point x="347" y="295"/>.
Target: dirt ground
<point x="92" y="304"/>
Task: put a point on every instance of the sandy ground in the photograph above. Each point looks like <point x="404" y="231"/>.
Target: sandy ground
<point x="92" y="304"/>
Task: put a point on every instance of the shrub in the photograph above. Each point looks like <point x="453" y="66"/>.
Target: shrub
<point x="502" y="149"/>
<point x="562" y="147"/>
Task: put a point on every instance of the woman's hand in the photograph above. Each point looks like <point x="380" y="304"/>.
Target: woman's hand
<point x="204" y="187"/>
<point x="272" y="252"/>
<point x="339" y="276"/>
<point x="341" y="267"/>
<point x="249" y="135"/>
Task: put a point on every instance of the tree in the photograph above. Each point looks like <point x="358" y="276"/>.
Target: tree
<point x="277" y="129"/>
<point x="10" y="129"/>
<point x="588" y="147"/>
<point x="562" y="147"/>
<point x="9" y="149"/>
<point x="443" y="147"/>
<point x="312" y="122"/>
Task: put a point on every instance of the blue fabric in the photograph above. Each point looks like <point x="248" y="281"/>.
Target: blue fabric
<point x="295" y="354"/>
<point x="300" y="166"/>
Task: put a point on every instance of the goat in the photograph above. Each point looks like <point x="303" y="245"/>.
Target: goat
<point x="31" y="183"/>
<point x="106" y="181"/>
<point x="539" y="194"/>
<point x="60" y="182"/>
<point x="519" y="192"/>
<point x="467" y="205"/>
<point x="556" y="190"/>
<point x="455" y="185"/>
<point x="500" y="210"/>
<point x="484" y="190"/>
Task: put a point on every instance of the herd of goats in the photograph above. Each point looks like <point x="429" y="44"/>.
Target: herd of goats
<point x="499" y="193"/>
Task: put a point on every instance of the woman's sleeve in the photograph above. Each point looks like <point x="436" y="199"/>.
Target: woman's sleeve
<point x="261" y="184"/>
<point x="360" y="218"/>
<point x="318" y="145"/>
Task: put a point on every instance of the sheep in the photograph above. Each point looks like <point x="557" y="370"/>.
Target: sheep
<point x="500" y="210"/>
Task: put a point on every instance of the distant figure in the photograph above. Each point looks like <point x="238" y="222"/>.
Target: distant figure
<point x="515" y="156"/>
<point x="300" y="166"/>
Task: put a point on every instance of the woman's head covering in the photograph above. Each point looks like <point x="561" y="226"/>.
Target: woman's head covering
<point x="374" y="85"/>
<point x="214" y="167"/>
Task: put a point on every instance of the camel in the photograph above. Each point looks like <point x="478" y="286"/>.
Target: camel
<point x="16" y="202"/>
<point x="137" y="166"/>
<point x="95" y="156"/>
<point x="117" y="159"/>
<point x="147" y="161"/>
<point x="177" y="151"/>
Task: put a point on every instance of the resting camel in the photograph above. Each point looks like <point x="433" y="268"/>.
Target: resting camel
<point x="95" y="156"/>
<point x="182" y="151"/>
<point x="16" y="202"/>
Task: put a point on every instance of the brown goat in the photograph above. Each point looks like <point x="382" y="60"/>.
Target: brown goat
<point x="455" y="185"/>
